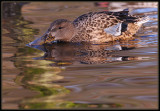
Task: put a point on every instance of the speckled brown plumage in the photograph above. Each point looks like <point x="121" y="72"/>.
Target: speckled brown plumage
<point x="91" y="26"/>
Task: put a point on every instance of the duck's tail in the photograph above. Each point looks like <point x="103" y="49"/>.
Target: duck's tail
<point x="127" y="18"/>
<point x="142" y="20"/>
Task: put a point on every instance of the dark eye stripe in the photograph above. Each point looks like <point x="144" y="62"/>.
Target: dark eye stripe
<point x="60" y="27"/>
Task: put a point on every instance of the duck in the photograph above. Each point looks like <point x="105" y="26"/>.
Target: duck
<point x="93" y="27"/>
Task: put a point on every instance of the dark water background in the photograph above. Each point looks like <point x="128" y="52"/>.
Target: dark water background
<point x="119" y="75"/>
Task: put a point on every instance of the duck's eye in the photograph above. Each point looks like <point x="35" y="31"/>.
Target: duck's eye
<point x="60" y="27"/>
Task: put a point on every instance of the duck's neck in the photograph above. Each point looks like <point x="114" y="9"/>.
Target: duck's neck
<point x="73" y="31"/>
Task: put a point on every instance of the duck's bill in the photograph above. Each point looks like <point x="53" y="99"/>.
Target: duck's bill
<point x="47" y="38"/>
<point x="38" y="41"/>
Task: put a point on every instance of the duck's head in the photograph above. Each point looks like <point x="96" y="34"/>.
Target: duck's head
<point x="59" y="30"/>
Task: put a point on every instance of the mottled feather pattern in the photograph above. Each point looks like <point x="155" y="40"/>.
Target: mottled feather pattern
<point x="91" y="26"/>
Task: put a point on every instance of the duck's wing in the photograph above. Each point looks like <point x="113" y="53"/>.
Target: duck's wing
<point x="114" y="30"/>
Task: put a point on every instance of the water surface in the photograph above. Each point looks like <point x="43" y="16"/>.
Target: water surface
<point x="119" y="75"/>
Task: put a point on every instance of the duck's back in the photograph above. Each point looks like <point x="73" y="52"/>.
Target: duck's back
<point x="102" y="26"/>
<point x="96" y="19"/>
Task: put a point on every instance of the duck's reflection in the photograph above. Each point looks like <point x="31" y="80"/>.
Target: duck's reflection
<point x="63" y="53"/>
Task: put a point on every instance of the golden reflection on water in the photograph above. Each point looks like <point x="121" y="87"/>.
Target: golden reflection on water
<point x="116" y="75"/>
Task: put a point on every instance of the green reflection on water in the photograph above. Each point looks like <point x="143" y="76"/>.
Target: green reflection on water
<point x="38" y="79"/>
<point x="67" y="105"/>
<point x="36" y="75"/>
